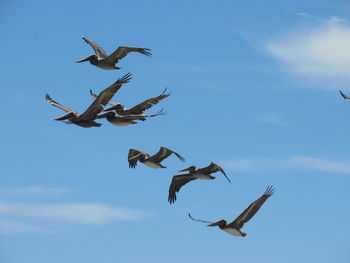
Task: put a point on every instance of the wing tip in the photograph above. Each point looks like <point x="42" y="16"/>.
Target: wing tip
<point x="270" y="190"/>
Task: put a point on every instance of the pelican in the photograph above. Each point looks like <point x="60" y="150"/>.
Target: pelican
<point x="138" y="109"/>
<point x="126" y="120"/>
<point x="101" y="60"/>
<point x="87" y="118"/>
<point x="125" y="117"/>
<point x="344" y="96"/>
<point x="151" y="161"/>
<point x="234" y="228"/>
<point x="193" y="173"/>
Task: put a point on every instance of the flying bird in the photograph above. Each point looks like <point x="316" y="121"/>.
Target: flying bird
<point x="126" y="120"/>
<point x="151" y="161"/>
<point x="234" y="228"/>
<point x="101" y="60"/>
<point x="87" y="118"/>
<point x="124" y="117"/>
<point x="193" y="173"/>
<point x="138" y="109"/>
<point x="344" y="96"/>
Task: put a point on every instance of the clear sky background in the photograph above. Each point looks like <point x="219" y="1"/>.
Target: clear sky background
<point x="254" y="88"/>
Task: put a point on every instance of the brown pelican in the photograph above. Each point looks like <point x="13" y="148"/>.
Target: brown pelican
<point x="234" y="228"/>
<point x="125" y="117"/>
<point x="151" y="161"/>
<point x="194" y="173"/>
<point x="138" y="109"/>
<point x="101" y="60"/>
<point x="86" y="119"/>
<point x="344" y="96"/>
<point x="126" y="120"/>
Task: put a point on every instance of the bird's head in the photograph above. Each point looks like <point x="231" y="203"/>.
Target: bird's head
<point x="118" y="108"/>
<point x="220" y="223"/>
<point x="190" y="169"/>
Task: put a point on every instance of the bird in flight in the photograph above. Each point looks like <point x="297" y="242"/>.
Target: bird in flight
<point x="344" y="96"/>
<point x="193" y="173"/>
<point x="121" y="116"/>
<point x="234" y="228"/>
<point x="102" y="60"/>
<point x="151" y="161"/>
<point x="87" y="118"/>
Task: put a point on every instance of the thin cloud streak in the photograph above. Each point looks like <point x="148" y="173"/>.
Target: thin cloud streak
<point x="293" y="163"/>
<point x="273" y="118"/>
<point x="34" y="190"/>
<point x="321" y="52"/>
<point x="14" y="227"/>
<point x="83" y="213"/>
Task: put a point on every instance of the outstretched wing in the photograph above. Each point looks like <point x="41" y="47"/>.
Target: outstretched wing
<point x="145" y="105"/>
<point x="344" y="96"/>
<point x="252" y="209"/>
<point x="199" y="220"/>
<point x="164" y="153"/>
<point x="133" y="157"/>
<point x="56" y="104"/>
<point x="213" y="168"/>
<point x="100" y="53"/>
<point x="103" y="98"/>
<point x="123" y="51"/>
<point x="176" y="183"/>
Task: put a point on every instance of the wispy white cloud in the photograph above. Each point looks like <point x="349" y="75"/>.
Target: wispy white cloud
<point x="14" y="227"/>
<point x="292" y="163"/>
<point x="316" y="53"/>
<point x="299" y="12"/>
<point x="84" y="213"/>
<point x="273" y="118"/>
<point x="34" y="190"/>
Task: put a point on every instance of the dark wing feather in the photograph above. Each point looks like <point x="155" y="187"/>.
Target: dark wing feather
<point x="145" y="105"/>
<point x="164" y="153"/>
<point x="123" y="51"/>
<point x="133" y="157"/>
<point x="344" y="96"/>
<point x="176" y="183"/>
<point x="100" y="53"/>
<point x="103" y="98"/>
<point x="56" y="104"/>
<point x="252" y="209"/>
<point x="213" y="168"/>
<point x="95" y="96"/>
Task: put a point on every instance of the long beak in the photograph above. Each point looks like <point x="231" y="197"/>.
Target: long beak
<point x="112" y="108"/>
<point x="227" y="178"/>
<point x="85" y="59"/>
<point x="223" y="172"/>
<point x="186" y="169"/>
<point x="65" y="117"/>
<point x="214" y="224"/>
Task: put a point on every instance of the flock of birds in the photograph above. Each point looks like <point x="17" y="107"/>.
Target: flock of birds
<point x="118" y="115"/>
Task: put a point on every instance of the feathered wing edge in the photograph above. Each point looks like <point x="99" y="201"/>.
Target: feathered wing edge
<point x="252" y="209"/>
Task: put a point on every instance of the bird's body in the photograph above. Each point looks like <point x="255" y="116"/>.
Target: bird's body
<point x="102" y="60"/>
<point x="234" y="228"/>
<point x="153" y="161"/>
<point x="194" y="173"/>
<point x="87" y="118"/>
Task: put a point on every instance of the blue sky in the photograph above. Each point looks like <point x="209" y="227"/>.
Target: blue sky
<point x="254" y="88"/>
